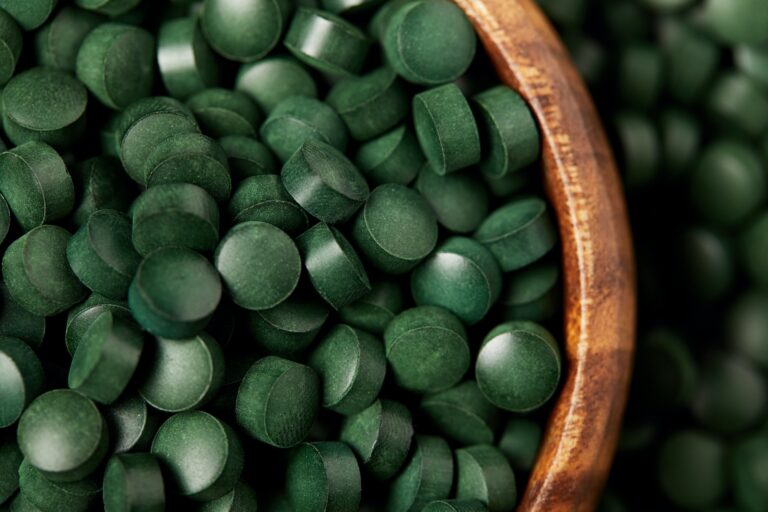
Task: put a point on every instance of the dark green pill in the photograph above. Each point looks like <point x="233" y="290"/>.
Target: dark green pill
<point x="427" y="349"/>
<point x="640" y="75"/>
<point x="518" y="233"/>
<point x="394" y="157"/>
<point x="445" y="125"/>
<point x="111" y="8"/>
<point x="518" y="367"/>
<point x="21" y="504"/>
<point x="277" y="401"/>
<point x="706" y="261"/>
<point x="508" y="126"/>
<point x="429" y="42"/>
<point x="371" y="104"/>
<point x="240" y="499"/>
<point x="44" y="105"/>
<point x="374" y="310"/>
<point x="351" y="364"/>
<point x="459" y="200"/>
<point x="381" y="436"/>
<point x="466" y="505"/>
<point x="298" y="119"/>
<point x="753" y="62"/>
<point x="244" y="30"/>
<point x="30" y="14"/>
<point x="259" y="264"/>
<point x="133" y="483"/>
<point x="101" y="254"/>
<point x="187" y="64"/>
<point x="36" y="184"/>
<point x="176" y="214"/>
<point x="462" y="413"/>
<point x="746" y="326"/>
<point x="21" y="380"/>
<point x="427" y="476"/>
<point x="737" y="21"/>
<point x="462" y="276"/>
<point x="520" y="443"/>
<point x="201" y="455"/>
<point x="274" y="79"/>
<point x="222" y="112"/>
<point x="691" y="58"/>
<point x="680" y="135"/>
<point x="63" y="435"/>
<point x="174" y="293"/>
<point x="531" y="293"/>
<point x="396" y="228"/>
<point x="746" y="460"/>
<point x="665" y="372"/>
<point x="12" y="42"/>
<point x="100" y="184"/>
<point x="639" y="142"/>
<point x="106" y="358"/>
<point x="58" y="42"/>
<point x="348" y="6"/>
<point x="508" y="184"/>
<point x="80" y="317"/>
<point x="326" y="42"/>
<point x="692" y="469"/>
<point x="41" y="494"/>
<point x="381" y="17"/>
<point x="483" y="473"/>
<point x="17" y="322"/>
<point x="334" y="268"/>
<point x="132" y="424"/>
<point x="264" y="199"/>
<point x="323" y="477"/>
<point x="183" y="374"/>
<point x="247" y="157"/>
<point x="36" y="272"/>
<point x="738" y="103"/>
<point x="753" y="242"/>
<point x="10" y="460"/>
<point x="288" y="327"/>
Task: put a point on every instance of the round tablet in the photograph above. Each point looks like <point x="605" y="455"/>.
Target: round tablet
<point x="532" y="293"/>
<point x="692" y="469"/>
<point x="638" y="140"/>
<point x="36" y="184"/>
<point x="323" y="477"/>
<point x="201" y="455"/>
<point x="374" y="310"/>
<point x="63" y="434"/>
<point x="17" y="322"/>
<point x="518" y="233"/>
<point x="187" y="64"/>
<point x="465" y="505"/>
<point x="277" y="401"/>
<point x="746" y="328"/>
<point x="259" y="264"/>
<point x="394" y="157"/>
<point x="133" y="482"/>
<point x="326" y="42"/>
<point x="381" y="437"/>
<point x="244" y="30"/>
<point x="298" y="119"/>
<point x="132" y="424"/>
<point x="427" y="349"/>
<point x="30" y="14"/>
<point x="223" y="112"/>
<point x="175" y="214"/>
<point x="429" y="42"/>
<point x="290" y="326"/>
<point x="738" y="104"/>
<point x="183" y="374"/>
<point x="351" y="364"/>
<point x="269" y="81"/>
<point x="520" y="443"/>
<point x="446" y="127"/>
<point x="483" y="473"/>
<point x="106" y="358"/>
<point x="706" y="264"/>
<point x="41" y="494"/>
<point x="80" y="317"/>
<point x="680" y="134"/>
<point x="508" y="126"/>
<point x="461" y="276"/>
<point x="101" y="184"/>
<point x="45" y="105"/>
<point x="247" y="157"/>
<point x="518" y="366"/>
<point x="21" y="378"/>
<point x="10" y="460"/>
<point x="12" y="40"/>
<point x="459" y="200"/>
<point x="58" y="41"/>
<point x="109" y="7"/>
<point x="738" y="21"/>
<point x="427" y="476"/>
<point x="753" y="62"/>
<point x="101" y="254"/>
<point x="36" y="272"/>
<point x="264" y="199"/>
<point x="144" y="124"/>
<point x="746" y="459"/>
<point x="174" y="293"/>
<point x="240" y="499"/>
<point x="396" y="228"/>
<point x="462" y="413"/>
<point x="333" y="266"/>
<point x="190" y="158"/>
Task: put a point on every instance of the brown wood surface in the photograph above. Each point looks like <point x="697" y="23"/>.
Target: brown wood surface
<point x="583" y="184"/>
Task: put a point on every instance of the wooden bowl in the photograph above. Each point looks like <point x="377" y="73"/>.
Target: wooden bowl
<point x="583" y="185"/>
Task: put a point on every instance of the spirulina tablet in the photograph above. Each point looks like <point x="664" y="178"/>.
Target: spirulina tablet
<point x="183" y="374"/>
<point x="36" y="272"/>
<point x="323" y="477"/>
<point x="17" y="322"/>
<point x="484" y="474"/>
<point x="174" y="292"/>
<point x="269" y="81"/>
<point x="38" y="493"/>
<point x="58" y="41"/>
<point x="240" y="499"/>
<point x="132" y="423"/>
<point x="11" y="37"/>
<point x="22" y="376"/>
<point x="79" y="429"/>
<point x="109" y="7"/>
<point x="289" y="327"/>
<point x="201" y="455"/>
<point x="427" y="349"/>
<point x="374" y="310"/>
<point x="462" y="413"/>
<point x="745" y="460"/>
<point x="427" y="476"/>
<point x="459" y="200"/>
<point x="175" y="214"/>
<point x="223" y="112"/>
<point x="187" y="64"/>
<point x="247" y="157"/>
<point x="10" y="460"/>
<point x="692" y="469"/>
<point x="264" y="199"/>
<point x="531" y="293"/>
<point x="80" y="317"/>
<point x="520" y="442"/>
<point x="737" y="21"/>
<point x="36" y="184"/>
<point x="277" y="401"/>
<point x="394" y="157"/>
<point x="100" y="184"/>
<point x="44" y="105"/>
<point x="133" y="482"/>
<point x="29" y="14"/>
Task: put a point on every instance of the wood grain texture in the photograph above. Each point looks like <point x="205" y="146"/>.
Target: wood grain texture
<point x="583" y="184"/>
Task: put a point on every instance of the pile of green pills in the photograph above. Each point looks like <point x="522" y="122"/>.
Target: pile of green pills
<point x="266" y="252"/>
